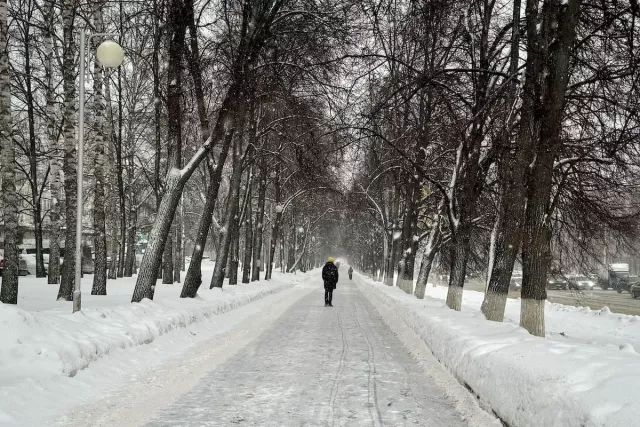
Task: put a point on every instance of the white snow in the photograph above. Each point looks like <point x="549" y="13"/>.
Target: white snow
<point x="585" y="373"/>
<point x="45" y="348"/>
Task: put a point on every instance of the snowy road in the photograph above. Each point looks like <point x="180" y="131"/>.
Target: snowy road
<point x="339" y="366"/>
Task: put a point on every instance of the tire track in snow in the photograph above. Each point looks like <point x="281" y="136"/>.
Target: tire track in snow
<point x="341" y="365"/>
<point x="372" y="370"/>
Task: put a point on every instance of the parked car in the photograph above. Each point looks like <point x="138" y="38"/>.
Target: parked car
<point x="22" y="267"/>
<point x="516" y="283"/>
<point x="557" y="282"/>
<point x="634" y="289"/>
<point x="580" y="282"/>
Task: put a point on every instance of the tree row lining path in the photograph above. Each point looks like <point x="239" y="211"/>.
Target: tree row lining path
<point x="316" y="366"/>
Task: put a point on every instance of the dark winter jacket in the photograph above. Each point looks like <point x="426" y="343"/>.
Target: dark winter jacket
<point x="330" y="275"/>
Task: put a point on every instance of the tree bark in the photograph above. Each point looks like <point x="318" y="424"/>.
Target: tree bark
<point x="395" y="241"/>
<point x="258" y="233"/>
<point x="9" y="289"/>
<point x="99" y="225"/>
<point x="70" y="167"/>
<point x="248" y="237"/>
<point x="458" y="270"/>
<point x="276" y="225"/>
<point x="430" y="251"/>
<point x="55" y="218"/>
<point x="177" y="250"/>
<point x="36" y="200"/>
<point x="226" y="234"/>
<point x="549" y="49"/>
<point x="512" y="164"/>
<point x="130" y="261"/>
<point x="193" y="279"/>
<point x="111" y="204"/>
<point x="167" y="259"/>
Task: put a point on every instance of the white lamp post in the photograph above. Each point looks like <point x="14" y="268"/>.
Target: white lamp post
<point x="110" y="55"/>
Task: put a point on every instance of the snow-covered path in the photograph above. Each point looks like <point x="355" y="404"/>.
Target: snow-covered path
<point x="339" y="366"/>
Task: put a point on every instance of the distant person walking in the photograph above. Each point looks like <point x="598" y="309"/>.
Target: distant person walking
<point x="350" y="272"/>
<point x="330" y="278"/>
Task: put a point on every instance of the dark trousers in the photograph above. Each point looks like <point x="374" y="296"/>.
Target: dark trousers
<point x="328" y="295"/>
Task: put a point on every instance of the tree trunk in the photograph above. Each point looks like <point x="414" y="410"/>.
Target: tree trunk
<point x="9" y="289"/>
<point x="549" y="49"/>
<point x="409" y="244"/>
<point x="70" y="167"/>
<point x="234" y="253"/>
<point x="507" y="234"/>
<point x="167" y="259"/>
<point x="130" y="261"/>
<point x="248" y="237"/>
<point x="258" y="233"/>
<point x="193" y="279"/>
<point x="99" y="225"/>
<point x="226" y="234"/>
<point x="429" y="254"/>
<point x="177" y="250"/>
<point x="33" y="153"/>
<point x="458" y="271"/>
<point x="276" y="225"/>
<point x="536" y="249"/>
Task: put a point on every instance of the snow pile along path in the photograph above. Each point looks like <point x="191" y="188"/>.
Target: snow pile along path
<point x="525" y="380"/>
<point x="565" y="323"/>
<point x="44" y="346"/>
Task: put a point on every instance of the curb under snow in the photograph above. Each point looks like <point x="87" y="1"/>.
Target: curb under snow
<point x="52" y="343"/>
<point x="524" y="380"/>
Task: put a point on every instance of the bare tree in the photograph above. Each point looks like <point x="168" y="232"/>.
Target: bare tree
<point x="9" y="290"/>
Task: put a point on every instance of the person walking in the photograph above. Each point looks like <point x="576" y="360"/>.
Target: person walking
<point x="330" y="278"/>
<point x="350" y="273"/>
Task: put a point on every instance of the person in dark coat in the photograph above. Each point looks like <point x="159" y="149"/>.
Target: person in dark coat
<point x="330" y="278"/>
<point x="350" y="272"/>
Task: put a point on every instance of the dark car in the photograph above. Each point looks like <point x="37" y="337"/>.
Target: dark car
<point x="634" y="289"/>
<point x="556" y="282"/>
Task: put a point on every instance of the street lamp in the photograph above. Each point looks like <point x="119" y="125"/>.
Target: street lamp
<point x="110" y="55"/>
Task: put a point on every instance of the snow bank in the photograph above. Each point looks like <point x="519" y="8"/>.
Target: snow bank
<point x="44" y="342"/>
<point x="525" y="380"/>
<point x="565" y="323"/>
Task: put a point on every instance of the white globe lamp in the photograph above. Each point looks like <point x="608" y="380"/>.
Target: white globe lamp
<point x="110" y="54"/>
<point x="279" y="209"/>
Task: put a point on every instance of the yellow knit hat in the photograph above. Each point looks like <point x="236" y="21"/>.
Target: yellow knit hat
<point x="331" y="259"/>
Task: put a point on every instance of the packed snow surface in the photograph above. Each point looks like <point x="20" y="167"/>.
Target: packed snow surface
<point x="44" y="346"/>
<point x="585" y="373"/>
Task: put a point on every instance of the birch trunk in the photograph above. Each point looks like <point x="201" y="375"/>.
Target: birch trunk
<point x="9" y="289"/>
<point x="55" y="218"/>
<point x="65" y="292"/>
